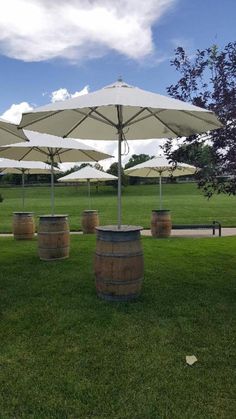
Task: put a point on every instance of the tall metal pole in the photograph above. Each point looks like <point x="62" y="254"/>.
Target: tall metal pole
<point x="89" y="194"/>
<point x="119" y="180"/>
<point x="52" y="185"/>
<point x="120" y="138"/>
<point x="160" y="189"/>
<point x="23" y="189"/>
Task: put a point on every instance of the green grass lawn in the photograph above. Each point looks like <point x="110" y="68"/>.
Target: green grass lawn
<point x="66" y="354"/>
<point x="185" y="201"/>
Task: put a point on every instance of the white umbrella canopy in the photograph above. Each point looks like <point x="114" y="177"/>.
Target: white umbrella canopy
<point x="120" y="111"/>
<point x="21" y="167"/>
<point x="31" y="167"/>
<point x="145" y="115"/>
<point x="88" y="174"/>
<point x="53" y="150"/>
<point x="159" y="167"/>
<point x="10" y="133"/>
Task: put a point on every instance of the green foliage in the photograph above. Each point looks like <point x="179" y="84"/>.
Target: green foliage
<point x="137" y="159"/>
<point x="113" y="170"/>
<point x="66" y="354"/>
<point x="209" y="80"/>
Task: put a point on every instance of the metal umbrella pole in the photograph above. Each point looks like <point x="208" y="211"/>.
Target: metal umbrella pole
<point x="89" y="193"/>
<point x="160" y="190"/>
<point x="23" y="189"/>
<point x="52" y="185"/>
<point x="120" y="138"/>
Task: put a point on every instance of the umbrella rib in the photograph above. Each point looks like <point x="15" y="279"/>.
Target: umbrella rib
<point x="109" y="121"/>
<point x="40" y="150"/>
<point x="41" y="118"/>
<point x="198" y="117"/>
<point x="27" y="152"/>
<point x="134" y="116"/>
<point x="88" y="115"/>
<point x="78" y="123"/>
<point x="11" y="132"/>
<point x="164" y="123"/>
<point x="144" y="117"/>
<point x="90" y="157"/>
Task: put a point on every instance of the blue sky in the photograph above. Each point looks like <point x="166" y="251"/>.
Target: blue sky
<point x="84" y="44"/>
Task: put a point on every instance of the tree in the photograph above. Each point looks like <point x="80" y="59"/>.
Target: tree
<point x="137" y="159"/>
<point x="113" y="170"/>
<point x="98" y="167"/>
<point x="209" y="81"/>
<point x="133" y="161"/>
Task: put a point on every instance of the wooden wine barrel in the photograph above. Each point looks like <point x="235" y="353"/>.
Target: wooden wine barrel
<point x="161" y="223"/>
<point x="23" y="225"/>
<point x="53" y="237"/>
<point x="90" y="221"/>
<point x="119" y="263"/>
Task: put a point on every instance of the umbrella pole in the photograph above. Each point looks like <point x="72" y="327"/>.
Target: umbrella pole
<point x="119" y="179"/>
<point x="160" y="191"/>
<point x="52" y="186"/>
<point x="89" y="194"/>
<point x="23" y="189"/>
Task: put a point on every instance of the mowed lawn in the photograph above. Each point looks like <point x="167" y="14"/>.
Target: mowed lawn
<point x="186" y="202"/>
<point x="66" y="354"/>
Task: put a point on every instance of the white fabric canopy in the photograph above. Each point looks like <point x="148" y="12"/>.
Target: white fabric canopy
<point x="10" y="133"/>
<point x="30" y="167"/>
<point x="145" y="115"/>
<point x="160" y="166"/>
<point x="46" y="147"/>
<point x="87" y="173"/>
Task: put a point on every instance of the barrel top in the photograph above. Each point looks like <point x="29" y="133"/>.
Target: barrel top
<point x="161" y="210"/>
<point x="90" y="211"/>
<point x="51" y="217"/>
<point x="122" y="229"/>
<point x="23" y="213"/>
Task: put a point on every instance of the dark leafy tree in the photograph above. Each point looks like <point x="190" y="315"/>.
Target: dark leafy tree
<point x="113" y="170"/>
<point x="137" y="159"/>
<point x="209" y="81"/>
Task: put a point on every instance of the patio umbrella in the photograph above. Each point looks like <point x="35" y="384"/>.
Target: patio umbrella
<point x="88" y="174"/>
<point x="10" y="133"/>
<point x="160" y="167"/>
<point x="23" y="167"/>
<point x="120" y="111"/>
<point x="53" y="150"/>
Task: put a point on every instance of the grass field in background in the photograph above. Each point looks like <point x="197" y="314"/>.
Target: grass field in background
<point x="66" y="354"/>
<point x="186" y="202"/>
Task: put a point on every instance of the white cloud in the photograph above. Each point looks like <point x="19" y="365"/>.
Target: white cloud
<point x="13" y="114"/>
<point x="63" y="94"/>
<point x="78" y="29"/>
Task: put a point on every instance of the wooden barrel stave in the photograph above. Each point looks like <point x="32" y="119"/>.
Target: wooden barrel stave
<point x="53" y="238"/>
<point x="23" y="225"/>
<point x="161" y="223"/>
<point x="119" y="266"/>
<point x="90" y="221"/>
